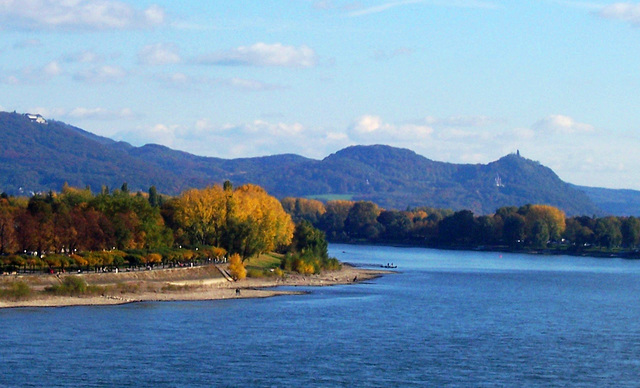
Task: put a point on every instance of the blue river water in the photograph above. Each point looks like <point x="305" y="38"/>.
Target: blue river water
<point x="445" y="319"/>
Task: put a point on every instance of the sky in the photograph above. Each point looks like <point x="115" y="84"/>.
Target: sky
<point x="461" y="81"/>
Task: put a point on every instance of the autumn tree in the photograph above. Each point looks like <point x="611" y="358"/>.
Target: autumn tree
<point x="236" y="267"/>
<point x="552" y="217"/>
<point x="202" y="214"/>
<point x="304" y="209"/>
<point x="257" y="222"/>
<point x="7" y="227"/>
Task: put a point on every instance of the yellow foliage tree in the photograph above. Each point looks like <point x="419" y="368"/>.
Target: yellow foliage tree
<point x="304" y="209"/>
<point x="202" y="214"/>
<point x="263" y="223"/>
<point x="236" y="267"/>
<point x="553" y="217"/>
<point x="246" y="220"/>
<point x="152" y="259"/>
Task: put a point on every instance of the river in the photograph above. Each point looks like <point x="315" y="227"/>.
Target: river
<point x="446" y="318"/>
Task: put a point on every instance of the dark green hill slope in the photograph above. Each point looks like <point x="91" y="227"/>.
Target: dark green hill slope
<point x="39" y="157"/>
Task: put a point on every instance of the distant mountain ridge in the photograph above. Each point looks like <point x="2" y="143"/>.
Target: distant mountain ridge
<point x="36" y="157"/>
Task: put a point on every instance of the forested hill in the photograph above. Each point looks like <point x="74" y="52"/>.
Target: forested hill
<point x="38" y="157"/>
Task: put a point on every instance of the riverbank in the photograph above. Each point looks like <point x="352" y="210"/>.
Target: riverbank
<point x="186" y="284"/>
<point x="631" y="254"/>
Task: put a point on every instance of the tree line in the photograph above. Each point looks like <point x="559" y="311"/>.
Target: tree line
<point x="518" y="228"/>
<point x="75" y="228"/>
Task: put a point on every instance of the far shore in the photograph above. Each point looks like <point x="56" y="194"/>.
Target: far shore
<point x="179" y="284"/>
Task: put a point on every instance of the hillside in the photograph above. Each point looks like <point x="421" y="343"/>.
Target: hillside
<point x="38" y="157"/>
<point x="612" y="201"/>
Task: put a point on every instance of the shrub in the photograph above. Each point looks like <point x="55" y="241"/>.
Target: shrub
<point x="307" y="264"/>
<point x="16" y="291"/>
<point x="255" y="273"/>
<point x="278" y="272"/>
<point x="73" y="286"/>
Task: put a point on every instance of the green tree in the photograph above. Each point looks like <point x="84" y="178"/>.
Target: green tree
<point x="630" y="232"/>
<point x="459" y="228"/>
<point x="539" y="234"/>
<point x="333" y="220"/>
<point x="154" y="198"/>
<point x="362" y="220"/>
<point x="607" y="232"/>
<point x="309" y="240"/>
<point x="396" y="225"/>
<point x="578" y="232"/>
<point x="514" y="229"/>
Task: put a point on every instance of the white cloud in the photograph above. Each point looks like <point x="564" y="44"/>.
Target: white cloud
<point x="86" y="56"/>
<point x="32" y="75"/>
<point x="47" y="112"/>
<point x="101" y="74"/>
<point x="627" y="12"/>
<point x="52" y="69"/>
<point x="443" y="3"/>
<point x="562" y="124"/>
<point x="249" y="85"/>
<point x="184" y="81"/>
<point x="159" y="54"/>
<point x="256" y="138"/>
<point x="82" y="113"/>
<point x="586" y="5"/>
<point x="179" y="80"/>
<point x="263" y="54"/>
<point x="522" y="134"/>
<point x="383" y="7"/>
<point x="370" y="128"/>
<point x="612" y="159"/>
<point x="155" y="15"/>
<point x="462" y="121"/>
<point x="10" y="80"/>
<point x="367" y="124"/>
<point x="77" y="15"/>
<point x="100" y="114"/>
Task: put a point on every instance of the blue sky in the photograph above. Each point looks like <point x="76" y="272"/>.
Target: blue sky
<point x="464" y="81"/>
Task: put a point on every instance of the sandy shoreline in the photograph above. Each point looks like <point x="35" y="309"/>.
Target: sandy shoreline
<point x="179" y="285"/>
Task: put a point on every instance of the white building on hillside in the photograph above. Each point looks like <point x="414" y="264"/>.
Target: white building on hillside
<point x="36" y="118"/>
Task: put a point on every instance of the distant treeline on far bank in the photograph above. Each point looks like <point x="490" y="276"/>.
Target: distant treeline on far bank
<point x="80" y="228"/>
<point x="524" y="228"/>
